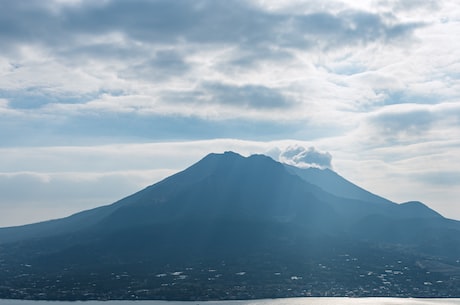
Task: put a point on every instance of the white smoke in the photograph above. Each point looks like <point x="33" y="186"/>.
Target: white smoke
<point x="305" y="157"/>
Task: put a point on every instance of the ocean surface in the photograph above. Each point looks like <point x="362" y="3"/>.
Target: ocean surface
<point x="291" y="301"/>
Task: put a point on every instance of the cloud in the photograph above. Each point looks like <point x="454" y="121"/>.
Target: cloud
<point x="103" y="123"/>
<point x="306" y="157"/>
<point x="164" y="65"/>
<point x="251" y="96"/>
<point x="205" y="22"/>
<point x="212" y="57"/>
<point x="411" y="5"/>
<point x="230" y="96"/>
<point x="404" y="124"/>
<point x="440" y="178"/>
<point x="412" y="123"/>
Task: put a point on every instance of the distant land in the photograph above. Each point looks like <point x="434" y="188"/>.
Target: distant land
<point x="233" y="227"/>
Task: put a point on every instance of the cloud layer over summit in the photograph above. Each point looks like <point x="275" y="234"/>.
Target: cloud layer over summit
<point x="101" y="98"/>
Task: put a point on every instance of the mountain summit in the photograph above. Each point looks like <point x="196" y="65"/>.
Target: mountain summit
<point x="236" y="227"/>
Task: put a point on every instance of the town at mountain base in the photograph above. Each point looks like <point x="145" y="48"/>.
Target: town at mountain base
<point x="234" y="227"/>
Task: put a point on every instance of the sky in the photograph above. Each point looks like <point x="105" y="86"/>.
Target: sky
<point x="99" y="99"/>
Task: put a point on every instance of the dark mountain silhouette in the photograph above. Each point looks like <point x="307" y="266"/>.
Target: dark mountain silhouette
<point x="235" y="227"/>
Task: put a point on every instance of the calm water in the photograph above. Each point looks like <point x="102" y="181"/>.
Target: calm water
<point x="294" y="301"/>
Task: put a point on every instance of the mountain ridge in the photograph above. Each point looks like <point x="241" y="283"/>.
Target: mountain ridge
<point x="318" y="180"/>
<point x="251" y="216"/>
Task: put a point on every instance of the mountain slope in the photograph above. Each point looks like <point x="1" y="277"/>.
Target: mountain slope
<point x="253" y="219"/>
<point x="335" y="184"/>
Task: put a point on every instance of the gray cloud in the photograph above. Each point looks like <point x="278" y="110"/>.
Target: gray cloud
<point x="164" y="65"/>
<point x="253" y="96"/>
<point x="409" y="5"/>
<point x="306" y="157"/>
<point x="412" y="121"/>
<point x="408" y="123"/>
<point x="119" y="41"/>
<point x="439" y="178"/>
<point x="203" y="22"/>
<point x="249" y="96"/>
<point x="402" y="124"/>
<point x="349" y="27"/>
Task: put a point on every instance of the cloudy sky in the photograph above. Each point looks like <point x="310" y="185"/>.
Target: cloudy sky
<point x="99" y="99"/>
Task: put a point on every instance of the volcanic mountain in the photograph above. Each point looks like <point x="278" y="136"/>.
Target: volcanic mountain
<point x="236" y="227"/>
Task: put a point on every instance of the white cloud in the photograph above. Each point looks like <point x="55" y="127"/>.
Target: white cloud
<point x="305" y="157"/>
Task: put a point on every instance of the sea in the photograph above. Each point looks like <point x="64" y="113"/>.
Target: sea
<point x="288" y="301"/>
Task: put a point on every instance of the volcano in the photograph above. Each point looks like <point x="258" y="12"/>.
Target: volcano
<point x="234" y="227"/>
